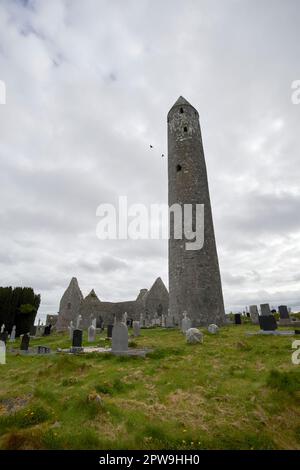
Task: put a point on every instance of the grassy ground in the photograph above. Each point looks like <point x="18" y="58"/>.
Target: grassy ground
<point x="231" y="392"/>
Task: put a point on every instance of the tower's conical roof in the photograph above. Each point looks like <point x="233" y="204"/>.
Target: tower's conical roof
<point x="182" y="102"/>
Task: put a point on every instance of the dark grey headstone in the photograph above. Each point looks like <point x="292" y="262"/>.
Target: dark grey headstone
<point x="25" y="342"/>
<point x="47" y="330"/>
<point x="77" y="339"/>
<point x="4" y="336"/>
<point x="237" y="319"/>
<point x="248" y="314"/>
<point x="265" y="309"/>
<point x="283" y="312"/>
<point x="267" y="322"/>
<point x="109" y="330"/>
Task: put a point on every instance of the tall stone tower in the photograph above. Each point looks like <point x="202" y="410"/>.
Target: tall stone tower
<point x="194" y="275"/>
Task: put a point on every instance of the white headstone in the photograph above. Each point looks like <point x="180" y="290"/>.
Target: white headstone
<point x="136" y="328"/>
<point x="163" y="321"/>
<point x="193" y="336"/>
<point x="2" y="352"/>
<point x="91" y="334"/>
<point x="71" y="329"/>
<point x="125" y="318"/>
<point x="13" y="334"/>
<point x="79" y="318"/>
<point x="2" y="328"/>
<point x="213" y="329"/>
<point x="186" y="323"/>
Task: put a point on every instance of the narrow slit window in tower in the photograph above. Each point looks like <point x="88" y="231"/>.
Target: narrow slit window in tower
<point x="185" y="129"/>
<point x="181" y="110"/>
<point x="178" y="168"/>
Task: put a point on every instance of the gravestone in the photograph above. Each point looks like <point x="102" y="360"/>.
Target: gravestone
<point x="248" y="314"/>
<point x="254" y="314"/>
<point x="25" y="339"/>
<point x="194" y="336"/>
<point x="142" y="320"/>
<point x="47" y="330"/>
<point x="40" y="329"/>
<point x="265" y="309"/>
<point x="91" y="334"/>
<point x="43" y="350"/>
<point x="79" y="318"/>
<point x="13" y="334"/>
<point x="2" y="353"/>
<point x="267" y="322"/>
<point x="33" y="329"/>
<point x="169" y="321"/>
<point x="71" y="330"/>
<point x="186" y="323"/>
<point x="163" y="321"/>
<point x="119" y="341"/>
<point x="77" y="341"/>
<point x="237" y="319"/>
<point x="136" y="328"/>
<point x="283" y="312"/>
<point x="125" y="318"/>
<point x="3" y="334"/>
<point x="213" y="329"/>
<point x="109" y="330"/>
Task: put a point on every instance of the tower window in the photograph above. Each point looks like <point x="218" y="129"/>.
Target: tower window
<point x="181" y="110"/>
<point x="185" y="129"/>
<point x="178" y="168"/>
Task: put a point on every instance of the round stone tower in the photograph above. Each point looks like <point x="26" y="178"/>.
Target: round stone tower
<point x="194" y="275"/>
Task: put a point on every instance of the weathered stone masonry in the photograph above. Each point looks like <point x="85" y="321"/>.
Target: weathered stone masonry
<point x="194" y="276"/>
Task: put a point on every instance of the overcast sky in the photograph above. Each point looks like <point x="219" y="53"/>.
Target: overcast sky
<point x="89" y="84"/>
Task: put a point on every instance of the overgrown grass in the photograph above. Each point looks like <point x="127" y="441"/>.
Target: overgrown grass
<point x="231" y="392"/>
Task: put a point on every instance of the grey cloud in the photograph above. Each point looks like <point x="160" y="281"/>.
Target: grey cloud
<point x="89" y="87"/>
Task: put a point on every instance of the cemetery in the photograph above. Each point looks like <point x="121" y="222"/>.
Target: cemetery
<point x="156" y="387"/>
<point x="150" y="236"/>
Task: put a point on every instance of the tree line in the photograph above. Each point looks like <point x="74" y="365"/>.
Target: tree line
<point x="18" y="306"/>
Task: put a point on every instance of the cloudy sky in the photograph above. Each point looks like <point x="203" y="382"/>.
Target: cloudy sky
<point x="88" y="87"/>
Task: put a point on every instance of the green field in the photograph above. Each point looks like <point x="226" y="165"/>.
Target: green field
<point x="231" y="392"/>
